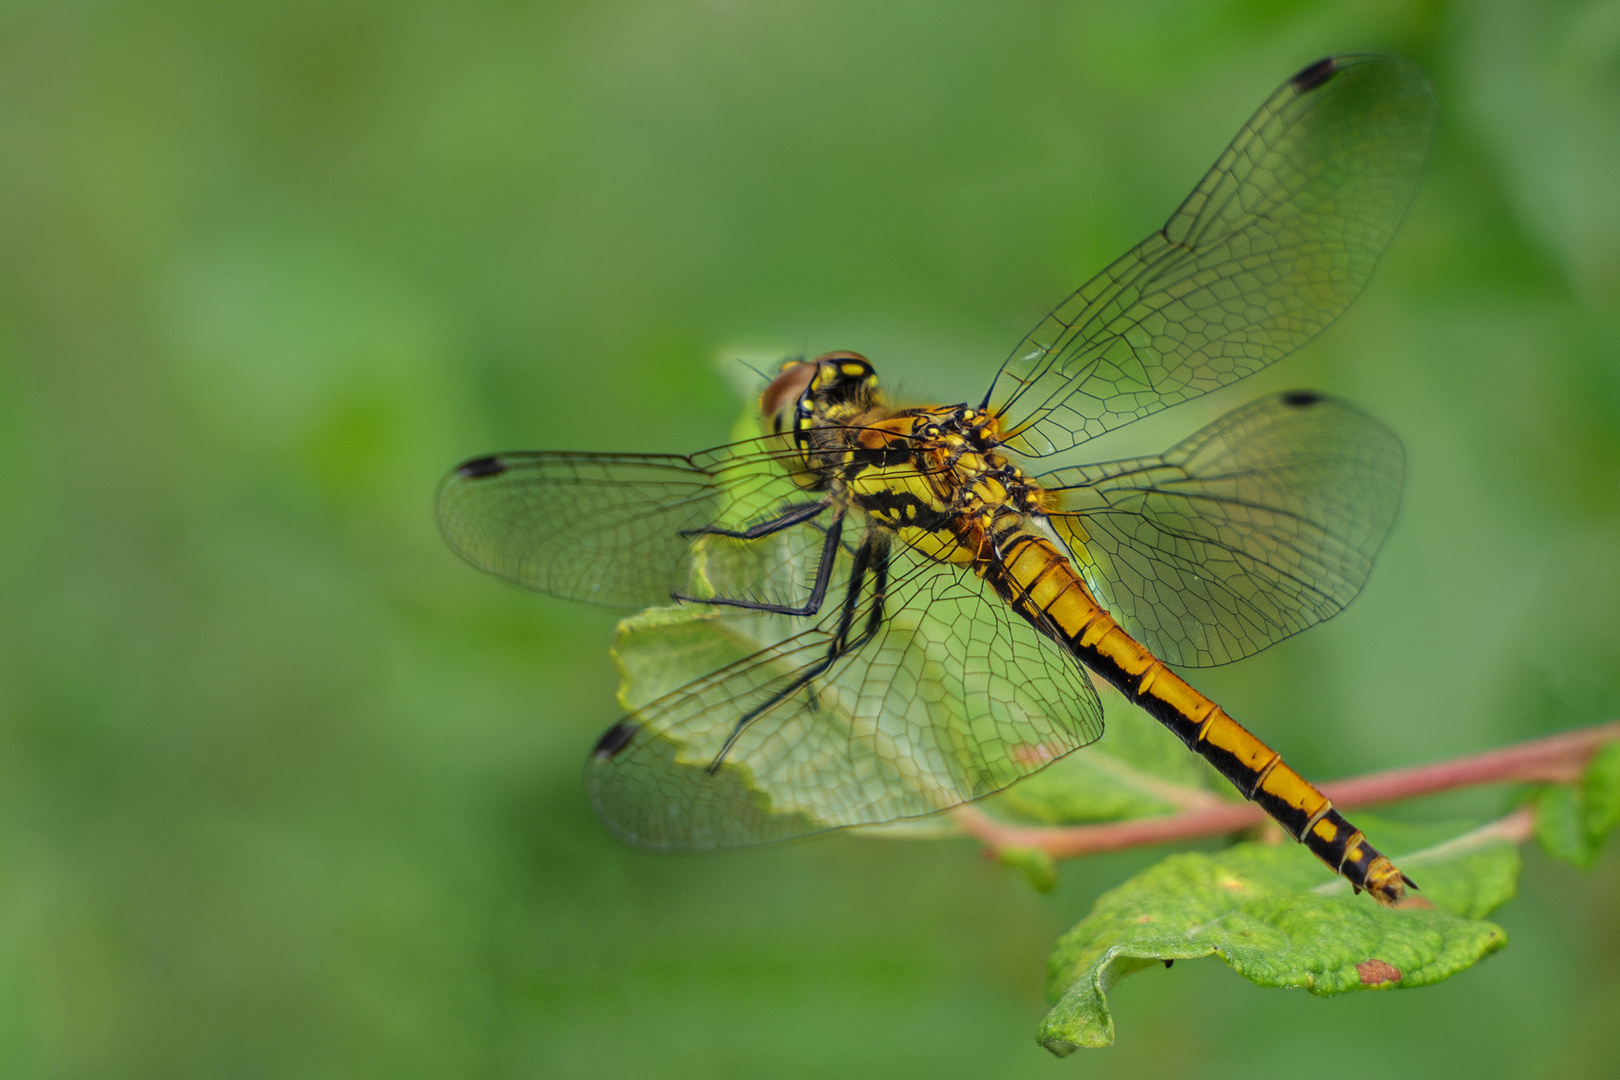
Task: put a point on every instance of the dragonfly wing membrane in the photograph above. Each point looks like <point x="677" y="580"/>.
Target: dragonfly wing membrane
<point x="1261" y="524"/>
<point x="618" y="529"/>
<point x="1273" y="244"/>
<point x="950" y="698"/>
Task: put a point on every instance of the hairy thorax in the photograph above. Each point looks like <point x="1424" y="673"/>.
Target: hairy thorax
<point x="932" y="475"/>
<point x="929" y="476"/>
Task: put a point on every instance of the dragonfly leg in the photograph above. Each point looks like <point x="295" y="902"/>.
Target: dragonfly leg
<point x="818" y="591"/>
<point x="880" y="588"/>
<point x="875" y="559"/>
<point x="869" y="557"/>
<point x="792" y="514"/>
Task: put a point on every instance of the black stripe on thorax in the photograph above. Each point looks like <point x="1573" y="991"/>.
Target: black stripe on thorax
<point x="906" y="508"/>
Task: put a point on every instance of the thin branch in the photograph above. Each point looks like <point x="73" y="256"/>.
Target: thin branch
<point x="1554" y="759"/>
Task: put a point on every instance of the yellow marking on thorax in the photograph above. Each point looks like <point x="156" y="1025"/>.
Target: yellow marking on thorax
<point x="898" y="481"/>
<point x="939" y="544"/>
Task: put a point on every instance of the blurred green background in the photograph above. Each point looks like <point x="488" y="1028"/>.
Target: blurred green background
<point x="288" y="791"/>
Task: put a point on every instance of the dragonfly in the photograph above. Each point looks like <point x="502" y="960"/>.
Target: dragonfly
<point x="898" y="609"/>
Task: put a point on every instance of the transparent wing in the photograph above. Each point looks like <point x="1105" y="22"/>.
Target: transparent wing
<point x="616" y="529"/>
<point x="1270" y="247"/>
<point x="952" y="697"/>
<point x="1260" y="525"/>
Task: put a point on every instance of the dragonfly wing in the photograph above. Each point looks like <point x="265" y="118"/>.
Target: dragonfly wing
<point x="1270" y="247"/>
<point x="618" y="529"/>
<point x="1252" y="529"/>
<point x="952" y="697"/>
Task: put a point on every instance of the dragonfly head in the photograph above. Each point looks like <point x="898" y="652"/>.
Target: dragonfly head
<point x="835" y="385"/>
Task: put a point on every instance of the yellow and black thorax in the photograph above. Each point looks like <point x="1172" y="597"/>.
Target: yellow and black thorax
<point x="931" y="475"/>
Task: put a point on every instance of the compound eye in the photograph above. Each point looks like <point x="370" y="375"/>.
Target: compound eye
<point x="786" y="388"/>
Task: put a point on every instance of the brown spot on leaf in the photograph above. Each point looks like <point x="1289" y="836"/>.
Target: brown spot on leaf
<point x="1417" y="902"/>
<point x="1376" y="972"/>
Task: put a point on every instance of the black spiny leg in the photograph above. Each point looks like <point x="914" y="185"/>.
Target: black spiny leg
<point x="869" y="556"/>
<point x="791" y="515"/>
<point x="818" y="591"/>
<point x="880" y="587"/>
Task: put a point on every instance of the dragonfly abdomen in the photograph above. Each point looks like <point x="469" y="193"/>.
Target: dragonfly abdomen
<point x="1043" y="587"/>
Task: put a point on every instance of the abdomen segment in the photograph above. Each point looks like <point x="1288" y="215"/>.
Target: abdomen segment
<point x="1038" y="581"/>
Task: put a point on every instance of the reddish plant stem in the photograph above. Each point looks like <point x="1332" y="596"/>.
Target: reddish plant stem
<point x="1554" y="759"/>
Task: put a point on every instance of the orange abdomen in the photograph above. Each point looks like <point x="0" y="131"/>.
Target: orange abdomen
<point x="1040" y="583"/>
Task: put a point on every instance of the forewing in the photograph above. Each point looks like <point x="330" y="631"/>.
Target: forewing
<point x="616" y="529"/>
<point x="954" y="697"/>
<point x="1270" y="247"/>
<point x="1254" y="528"/>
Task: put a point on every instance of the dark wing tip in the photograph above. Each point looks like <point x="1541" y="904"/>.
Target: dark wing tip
<point x="478" y="468"/>
<point x="1314" y="75"/>
<point x="1301" y="399"/>
<point x="615" y="739"/>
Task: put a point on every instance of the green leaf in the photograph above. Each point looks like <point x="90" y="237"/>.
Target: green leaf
<point x="1038" y="868"/>
<point x="1601" y="787"/>
<point x="658" y="650"/>
<point x="1279" y="918"/>
<point x="1138" y="769"/>
<point x="1572" y="821"/>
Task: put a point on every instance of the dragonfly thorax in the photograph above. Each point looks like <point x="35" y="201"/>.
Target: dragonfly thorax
<point x="991" y="497"/>
<point x="932" y="475"/>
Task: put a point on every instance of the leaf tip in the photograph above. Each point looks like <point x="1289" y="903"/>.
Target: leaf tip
<point x="1037" y="866"/>
<point x="1060" y="1047"/>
